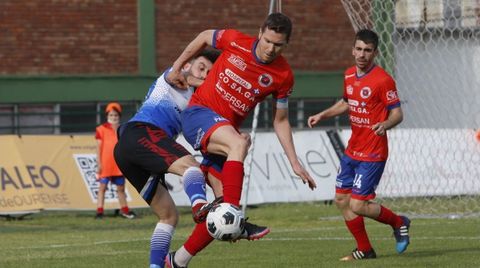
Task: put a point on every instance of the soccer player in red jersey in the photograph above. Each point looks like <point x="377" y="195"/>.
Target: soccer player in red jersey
<point x="371" y="99"/>
<point x="248" y="70"/>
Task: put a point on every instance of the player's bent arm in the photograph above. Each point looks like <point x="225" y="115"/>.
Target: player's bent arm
<point x="338" y="108"/>
<point x="196" y="45"/>
<point x="284" y="133"/>
<point x="395" y="117"/>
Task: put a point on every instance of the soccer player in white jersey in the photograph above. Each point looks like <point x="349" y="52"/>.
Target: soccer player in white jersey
<point x="147" y="150"/>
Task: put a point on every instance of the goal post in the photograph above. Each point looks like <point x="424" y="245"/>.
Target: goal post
<point x="432" y="49"/>
<point x="274" y="6"/>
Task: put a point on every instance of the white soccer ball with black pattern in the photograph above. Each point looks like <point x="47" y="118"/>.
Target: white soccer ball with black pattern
<point x="225" y="222"/>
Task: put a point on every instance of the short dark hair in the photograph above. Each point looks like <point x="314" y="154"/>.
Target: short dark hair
<point x="279" y="23"/>
<point x="210" y="54"/>
<point x="368" y="37"/>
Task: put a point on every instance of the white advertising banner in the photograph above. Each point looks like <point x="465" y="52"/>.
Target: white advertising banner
<point x="430" y="162"/>
<point x="272" y="179"/>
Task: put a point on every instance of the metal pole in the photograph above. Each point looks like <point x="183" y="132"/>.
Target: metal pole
<point x="277" y="6"/>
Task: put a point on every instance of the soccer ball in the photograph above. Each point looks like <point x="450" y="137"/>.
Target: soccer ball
<point x="225" y="222"/>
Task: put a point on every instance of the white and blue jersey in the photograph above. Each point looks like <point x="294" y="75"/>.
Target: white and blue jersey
<point x="162" y="106"/>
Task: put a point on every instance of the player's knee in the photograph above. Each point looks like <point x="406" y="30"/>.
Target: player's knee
<point x="102" y="188"/>
<point x="240" y="145"/>
<point x="341" y="202"/>
<point x="357" y="206"/>
<point x="169" y="216"/>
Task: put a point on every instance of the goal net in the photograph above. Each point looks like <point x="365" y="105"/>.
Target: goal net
<point x="432" y="49"/>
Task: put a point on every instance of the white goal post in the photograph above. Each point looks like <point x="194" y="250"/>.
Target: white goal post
<point x="274" y="6"/>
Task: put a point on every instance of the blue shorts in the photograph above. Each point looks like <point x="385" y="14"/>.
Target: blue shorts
<point x="117" y="180"/>
<point x="198" y="123"/>
<point x="213" y="164"/>
<point x="360" y="178"/>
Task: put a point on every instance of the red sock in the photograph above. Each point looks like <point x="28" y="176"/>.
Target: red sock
<point x="100" y="210"/>
<point x="198" y="240"/>
<point x="125" y="210"/>
<point x="357" y="228"/>
<point x="388" y="217"/>
<point x="232" y="175"/>
<point x="197" y="207"/>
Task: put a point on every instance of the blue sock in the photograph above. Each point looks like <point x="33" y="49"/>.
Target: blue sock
<point x="194" y="185"/>
<point x="160" y="244"/>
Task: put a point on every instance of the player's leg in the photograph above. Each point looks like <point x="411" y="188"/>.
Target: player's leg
<point x="213" y="165"/>
<point x="164" y="207"/>
<point x="196" y="242"/>
<point x="367" y="178"/>
<point x="153" y="190"/>
<point x="355" y="223"/>
<point x="102" y="188"/>
<point x="125" y="212"/>
<point x="207" y="131"/>
<point x="194" y="185"/>
<point x="150" y="158"/>
<point x="226" y="140"/>
<point x="200" y="238"/>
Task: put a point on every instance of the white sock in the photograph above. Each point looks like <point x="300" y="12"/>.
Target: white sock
<point x="182" y="257"/>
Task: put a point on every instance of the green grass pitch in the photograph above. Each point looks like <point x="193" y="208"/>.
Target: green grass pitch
<point x="303" y="235"/>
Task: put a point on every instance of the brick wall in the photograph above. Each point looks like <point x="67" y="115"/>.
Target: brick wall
<point x="321" y="39"/>
<point x="68" y="36"/>
<point x="100" y="36"/>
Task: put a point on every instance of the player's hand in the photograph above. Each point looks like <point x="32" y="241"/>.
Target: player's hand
<point x="300" y="171"/>
<point x="314" y="119"/>
<point x="194" y="81"/>
<point x="379" y="129"/>
<point x="177" y="79"/>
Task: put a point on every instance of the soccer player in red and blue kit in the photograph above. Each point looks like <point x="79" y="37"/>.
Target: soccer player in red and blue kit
<point x="370" y="97"/>
<point x="248" y="70"/>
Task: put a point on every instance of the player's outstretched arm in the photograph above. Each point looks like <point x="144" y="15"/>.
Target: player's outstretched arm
<point x="284" y="133"/>
<point x="338" y="108"/>
<point x="395" y="117"/>
<point x="176" y="77"/>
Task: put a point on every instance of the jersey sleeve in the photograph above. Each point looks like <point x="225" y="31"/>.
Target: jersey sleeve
<point x="389" y="94"/>
<point x="221" y="38"/>
<point x="286" y="88"/>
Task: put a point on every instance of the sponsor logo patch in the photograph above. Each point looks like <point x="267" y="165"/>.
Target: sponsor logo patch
<point x="349" y="89"/>
<point x="233" y="44"/>
<point x="353" y="102"/>
<point x="365" y="92"/>
<point x="265" y="80"/>
<point x="391" y="95"/>
<point x="237" y="62"/>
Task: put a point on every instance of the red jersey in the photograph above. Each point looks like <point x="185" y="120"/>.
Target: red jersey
<point x="238" y="80"/>
<point x="369" y="99"/>
<point x="108" y="136"/>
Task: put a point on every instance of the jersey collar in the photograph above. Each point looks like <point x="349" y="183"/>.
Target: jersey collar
<point x="365" y="74"/>
<point x="254" y="54"/>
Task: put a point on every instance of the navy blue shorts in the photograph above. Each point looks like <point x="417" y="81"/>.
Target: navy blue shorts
<point x="117" y="180"/>
<point x="198" y="124"/>
<point x="360" y="178"/>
